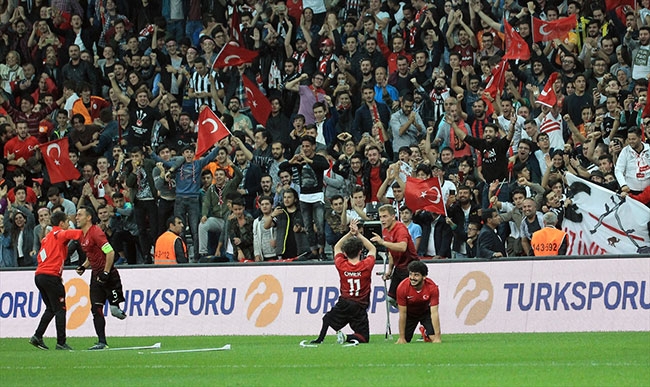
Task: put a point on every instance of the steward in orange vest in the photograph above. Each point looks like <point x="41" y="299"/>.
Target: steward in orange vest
<point x="170" y="248"/>
<point x="549" y="241"/>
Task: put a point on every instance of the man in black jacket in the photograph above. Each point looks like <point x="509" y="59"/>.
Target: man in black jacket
<point x="461" y="213"/>
<point x="490" y="244"/>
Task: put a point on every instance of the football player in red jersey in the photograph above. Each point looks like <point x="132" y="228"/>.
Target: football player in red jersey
<point x="417" y="302"/>
<point x="54" y="249"/>
<point x="355" y="275"/>
<point x="105" y="282"/>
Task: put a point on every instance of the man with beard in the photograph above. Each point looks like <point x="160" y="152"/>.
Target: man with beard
<point x="277" y="153"/>
<point x="479" y="118"/>
<point x="446" y="137"/>
<point x="467" y="43"/>
<point x="494" y="155"/>
<point x="241" y="122"/>
<point x="345" y="111"/>
<point x="401" y="78"/>
<point x="306" y="62"/>
<point x="423" y="69"/>
<point x="489" y="243"/>
<point x="79" y="71"/>
<point x="459" y="216"/>
<point x="374" y="173"/>
<point x="375" y="55"/>
<point x="327" y="57"/>
<point x="371" y="116"/>
<point x="439" y="94"/>
<point x="182" y="133"/>
<point x="632" y="170"/>
<point x="289" y="99"/>
<point x="406" y="125"/>
<point x="142" y="115"/>
<point x="250" y="184"/>
<point x="417" y="299"/>
<point x="367" y="71"/>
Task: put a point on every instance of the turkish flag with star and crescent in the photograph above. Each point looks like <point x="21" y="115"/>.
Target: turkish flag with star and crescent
<point x="233" y="55"/>
<point x="211" y="130"/>
<point x="424" y="195"/>
<point x="547" y="96"/>
<point x="57" y="161"/>
<point x="545" y="31"/>
<point x="256" y="101"/>
<point x="516" y="46"/>
<point x="498" y="79"/>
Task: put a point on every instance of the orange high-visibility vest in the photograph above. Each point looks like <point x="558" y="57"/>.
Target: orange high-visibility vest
<point x="164" y="253"/>
<point x="547" y="241"/>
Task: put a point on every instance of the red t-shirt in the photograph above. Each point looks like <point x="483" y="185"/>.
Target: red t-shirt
<point x="54" y="249"/>
<point x="355" y="279"/>
<point x="22" y="149"/>
<point x="375" y="182"/>
<point x="30" y="198"/>
<point x="399" y="233"/>
<point x="92" y="244"/>
<point x="417" y="302"/>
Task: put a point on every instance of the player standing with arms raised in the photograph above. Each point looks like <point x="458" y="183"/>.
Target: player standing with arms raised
<point x="355" y="275"/>
<point x="417" y="302"/>
<point x="54" y="249"/>
<point x="105" y="282"/>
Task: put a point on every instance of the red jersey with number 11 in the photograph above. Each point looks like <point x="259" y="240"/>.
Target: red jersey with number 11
<point x="355" y="279"/>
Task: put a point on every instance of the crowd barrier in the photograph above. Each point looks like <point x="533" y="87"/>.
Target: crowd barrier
<point x="562" y="295"/>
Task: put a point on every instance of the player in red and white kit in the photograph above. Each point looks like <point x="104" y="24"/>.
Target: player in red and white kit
<point x="401" y="249"/>
<point x="105" y="282"/>
<point x="417" y="302"/>
<point x="355" y="275"/>
<point x="54" y="249"/>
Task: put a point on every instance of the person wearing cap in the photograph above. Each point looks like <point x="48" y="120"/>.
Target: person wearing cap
<point x="549" y="241"/>
<point x="327" y="57"/>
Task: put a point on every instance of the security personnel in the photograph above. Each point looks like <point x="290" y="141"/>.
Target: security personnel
<point x="170" y="248"/>
<point x="549" y="241"/>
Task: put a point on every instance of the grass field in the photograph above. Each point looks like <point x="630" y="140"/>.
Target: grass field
<point x="588" y="359"/>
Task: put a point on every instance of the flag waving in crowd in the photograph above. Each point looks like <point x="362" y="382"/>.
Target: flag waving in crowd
<point x="425" y="195"/>
<point x="233" y="55"/>
<point x="546" y="31"/>
<point x="516" y="46"/>
<point x="57" y="161"/>
<point x="256" y="101"/>
<point x="547" y="96"/>
<point x="211" y="130"/>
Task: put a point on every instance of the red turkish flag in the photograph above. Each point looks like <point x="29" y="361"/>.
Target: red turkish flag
<point x="57" y="161"/>
<point x="424" y="195"/>
<point x="211" y="130"/>
<point x="547" y="96"/>
<point x="256" y="101"/>
<point x="498" y="78"/>
<point x="545" y="31"/>
<point x="233" y="55"/>
<point x="516" y="46"/>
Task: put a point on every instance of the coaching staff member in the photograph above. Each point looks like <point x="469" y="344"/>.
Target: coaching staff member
<point x="417" y="302"/>
<point x="54" y="249"/>
<point x="401" y="250"/>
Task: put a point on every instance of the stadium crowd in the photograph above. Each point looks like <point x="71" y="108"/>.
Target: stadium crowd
<point x="362" y="95"/>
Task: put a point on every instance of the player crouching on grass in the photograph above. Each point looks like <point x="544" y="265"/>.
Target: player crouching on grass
<point x="417" y="302"/>
<point x="105" y="282"/>
<point x="355" y="275"/>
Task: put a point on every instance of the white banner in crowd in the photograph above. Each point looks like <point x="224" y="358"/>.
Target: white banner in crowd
<point x="602" y="222"/>
<point x="476" y="297"/>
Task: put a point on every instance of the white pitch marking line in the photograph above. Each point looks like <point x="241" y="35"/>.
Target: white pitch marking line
<point x="304" y="344"/>
<point x="157" y="345"/>
<point x="224" y="348"/>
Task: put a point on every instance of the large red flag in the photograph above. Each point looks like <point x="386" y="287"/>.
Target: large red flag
<point x="211" y="130"/>
<point x="547" y="96"/>
<point x="424" y="195"/>
<point x="545" y="31"/>
<point x="233" y="55"/>
<point x="57" y="161"/>
<point x="516" y="46"/>
<point x="256" y="101"/>
<point x="498" y="78"/>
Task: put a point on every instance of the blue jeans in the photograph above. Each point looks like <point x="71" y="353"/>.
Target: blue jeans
<point x="176" y="29"/>
<point x="192" y="30"/>
<point x="314" y="214"/>
<point x="189" y="209"/>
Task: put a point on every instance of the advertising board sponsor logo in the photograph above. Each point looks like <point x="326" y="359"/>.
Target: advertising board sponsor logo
<point x="77" y="302"/>
<point x="264" y="300"/>
<point x="474" y="295"/>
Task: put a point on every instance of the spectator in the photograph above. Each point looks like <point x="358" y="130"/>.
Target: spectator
<point x="489" y="243"/>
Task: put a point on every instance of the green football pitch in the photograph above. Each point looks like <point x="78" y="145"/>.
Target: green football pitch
<point x="589" y="359"/>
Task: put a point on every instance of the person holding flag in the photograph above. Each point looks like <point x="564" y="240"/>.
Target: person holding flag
<point x="186" y="170"/>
